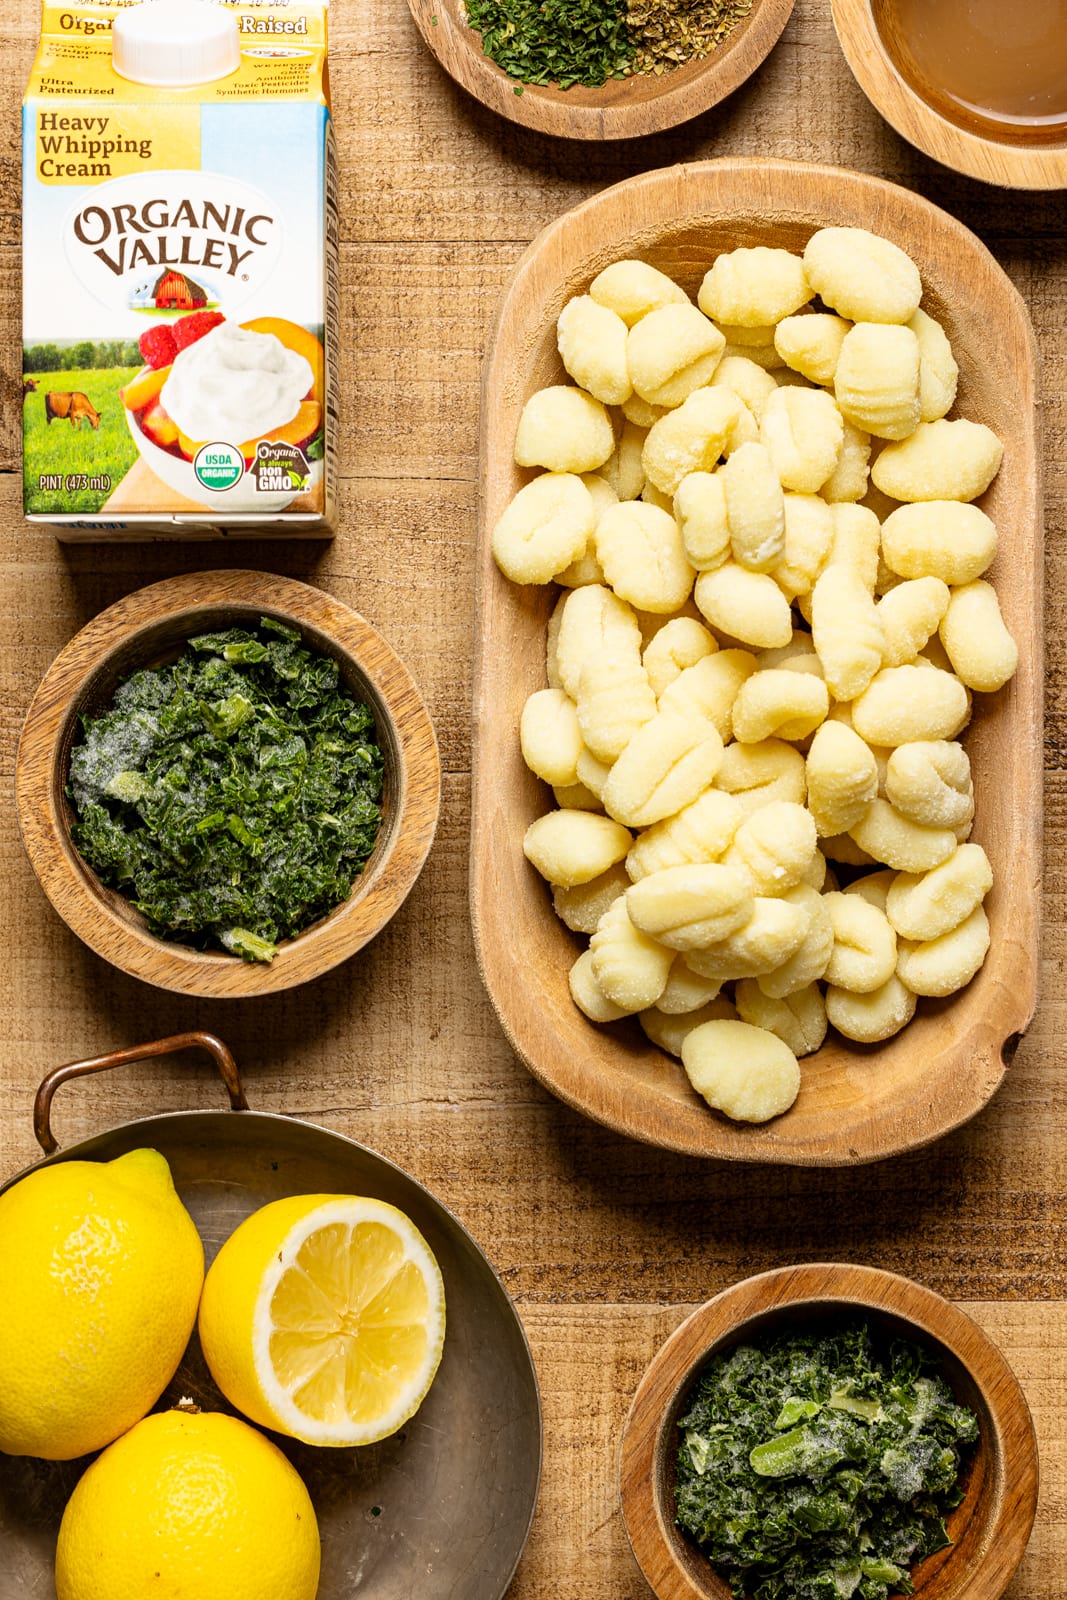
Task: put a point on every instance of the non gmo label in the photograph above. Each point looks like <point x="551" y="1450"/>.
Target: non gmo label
<point x="218" y="466"/>
<point x="279" y="468"/>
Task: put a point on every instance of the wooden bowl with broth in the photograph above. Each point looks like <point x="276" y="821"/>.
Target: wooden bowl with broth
<point x="989" y="1529"/>
<point x="856" y="1103"/>
<point x="150" y="627"/>
<point x="962" y="82"/>
<point x="622" y="108"/>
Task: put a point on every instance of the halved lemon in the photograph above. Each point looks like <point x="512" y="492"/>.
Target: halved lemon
<point x="323" y="1317"/>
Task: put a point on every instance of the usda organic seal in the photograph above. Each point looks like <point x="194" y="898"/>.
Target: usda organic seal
<point x="218" y="466"/>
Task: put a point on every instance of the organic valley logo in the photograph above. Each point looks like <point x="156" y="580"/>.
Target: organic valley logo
<point x="172" y="223"/>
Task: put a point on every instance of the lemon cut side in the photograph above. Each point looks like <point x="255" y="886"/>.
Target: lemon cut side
<point x="323" y="1317"/>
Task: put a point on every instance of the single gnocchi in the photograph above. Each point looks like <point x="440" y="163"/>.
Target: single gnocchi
<point x="802" y="431"/>
<point x="592" y="346"/>
<point x="565" y="430"/>
<point x="774" y="847"/>
<point x="691" y="438"/>
<point x="591" y="623"/>
<point x="754" y="288"/>
<point x="862" y="276"/>
<point x="940" y="461"/>
<point x="701" y="831"/>
<point x="688" y="908"/>
<point x="762" y="774"/>
<point x="798" y="1019"/>
<point x="938" y="372"/>
<point x="847" y="631"/>
<point x="925" y="906"/>
<point x="911" y="702"/>
<point x="545" y="528"/>
<point x="779" y="704"/>
<point x="842" y="778"/>
<point x="668" y="764"/>
<point x="872" y="1017"/>
<point x="630" y="969"/>
<point x="809" y="539"/>
<point x="746" y="1072"/>
<point x="864" y="955"/>
<point x="876" y="380"/>
<point x="746" y="605"/>
<point x="710" y="688"/>
<point x="929" y="781"/>
<point x="939" y="539"/>
<point x="982" y="651"/>
<point x="640" y="550"/>
<point x="939" y="967"/>
<point x="755" y="510"/>
<point x="632" y="289"/>
<point x="700" y="510"/>
<point x="671" y="351"/>
<point x="549" y="736"/>
<point x="582" y="905"/>
<point x="572" y="847"/>
<point x="679" y="644"/>
<point x="811" y="344"/>
<point x="615" y="699"/>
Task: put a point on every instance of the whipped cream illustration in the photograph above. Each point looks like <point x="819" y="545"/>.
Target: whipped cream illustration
<point x="235" y="384"/>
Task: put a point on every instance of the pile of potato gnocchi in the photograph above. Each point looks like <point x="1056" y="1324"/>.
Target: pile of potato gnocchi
<point x="772" y="624"/>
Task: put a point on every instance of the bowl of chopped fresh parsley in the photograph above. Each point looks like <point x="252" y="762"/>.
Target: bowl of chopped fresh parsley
<point x="227" y="783"/>
<point x="828" y="1432"/>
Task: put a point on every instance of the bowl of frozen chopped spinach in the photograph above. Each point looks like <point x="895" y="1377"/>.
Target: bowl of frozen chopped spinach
<point x="227" y="783"/>
<point x="828" y="1432"/>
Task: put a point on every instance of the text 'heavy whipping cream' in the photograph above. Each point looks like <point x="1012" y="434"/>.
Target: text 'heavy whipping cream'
<point x="179" y="270"/>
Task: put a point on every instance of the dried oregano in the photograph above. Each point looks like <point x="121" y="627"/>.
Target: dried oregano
<point x="586" y="42"/>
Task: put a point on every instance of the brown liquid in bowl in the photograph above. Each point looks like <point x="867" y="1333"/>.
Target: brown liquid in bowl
<point x="998" y="67"/>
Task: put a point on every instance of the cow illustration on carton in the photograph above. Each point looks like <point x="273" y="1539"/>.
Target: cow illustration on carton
<point x="72" y="405"/>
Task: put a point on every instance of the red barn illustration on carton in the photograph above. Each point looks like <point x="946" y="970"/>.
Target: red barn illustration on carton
<point x="173" y="291"/>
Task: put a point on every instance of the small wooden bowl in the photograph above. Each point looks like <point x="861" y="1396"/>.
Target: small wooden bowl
<point x="989" y="1528"/>
<point x="856" y="1103"/>
<point x="879" y="60"/>
<point x="623" y="108"/>
<point x="150" y="626"/>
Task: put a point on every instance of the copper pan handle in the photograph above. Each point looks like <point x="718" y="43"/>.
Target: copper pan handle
<point x="42" y="1102"/>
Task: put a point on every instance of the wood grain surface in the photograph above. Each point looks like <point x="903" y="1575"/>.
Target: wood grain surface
<point x="854" y="1104"/>
<point x="605" y="1243"/>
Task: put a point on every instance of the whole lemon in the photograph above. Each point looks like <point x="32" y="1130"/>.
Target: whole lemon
<point x="189" y="1506"/>
<point x="101" y="1267"/>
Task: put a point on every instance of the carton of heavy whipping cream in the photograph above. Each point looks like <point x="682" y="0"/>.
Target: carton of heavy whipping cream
<point x="179" y="271"/>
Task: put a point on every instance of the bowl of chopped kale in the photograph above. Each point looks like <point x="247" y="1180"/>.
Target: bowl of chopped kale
<point x="828" y="1432"/>
<point x="227" y="783"/>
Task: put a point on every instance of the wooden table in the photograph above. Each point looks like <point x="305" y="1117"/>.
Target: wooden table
<point x="604" y="1244"/>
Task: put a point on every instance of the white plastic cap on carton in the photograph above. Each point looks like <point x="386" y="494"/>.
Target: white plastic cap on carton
<point x="175" y="43"/>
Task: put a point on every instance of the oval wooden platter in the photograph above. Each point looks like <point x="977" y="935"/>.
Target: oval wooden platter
<point x="989" y="1529"/>
<point x="863" y="28"/>
<point x="149" y="626"/>
<point x="856" y="1103"/>
<point x="622" y="108"/>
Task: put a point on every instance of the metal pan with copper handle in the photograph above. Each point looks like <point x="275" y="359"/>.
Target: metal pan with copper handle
<point x="442" y="1509"/>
